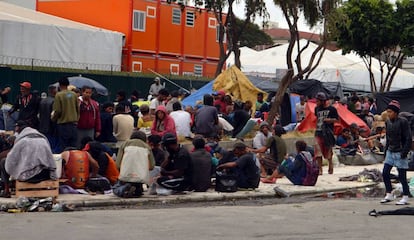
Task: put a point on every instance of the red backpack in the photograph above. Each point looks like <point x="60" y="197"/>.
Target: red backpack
<point x="77" y="169"/>
<point x="312" y="171"/>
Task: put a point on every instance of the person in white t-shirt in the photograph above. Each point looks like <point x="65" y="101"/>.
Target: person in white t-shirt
<point x="182" y="120"/>
<point x="159" y="100"/>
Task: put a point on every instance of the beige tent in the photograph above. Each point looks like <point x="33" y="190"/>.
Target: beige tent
<point x="235" y="83"/>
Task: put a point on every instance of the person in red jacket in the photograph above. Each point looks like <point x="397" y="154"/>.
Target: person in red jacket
<point x="162" y="123"/>
<point x="89" y="124"/>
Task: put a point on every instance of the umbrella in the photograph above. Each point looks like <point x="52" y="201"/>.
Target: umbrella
<point x="79" y="82"/>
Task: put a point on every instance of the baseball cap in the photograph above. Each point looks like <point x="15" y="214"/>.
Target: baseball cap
<point x="321" y="96"/>
<point x="169" y="138"/>
<point x="220" y="92"/>
<point x="26" y="84"/>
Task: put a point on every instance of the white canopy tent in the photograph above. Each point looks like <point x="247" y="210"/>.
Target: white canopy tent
<point x="28" y="37"/>
<point x="332" y="68"/>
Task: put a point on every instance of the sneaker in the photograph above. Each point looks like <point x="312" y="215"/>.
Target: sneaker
<point x="387" y="200"/>
<point x="402" y="202"/>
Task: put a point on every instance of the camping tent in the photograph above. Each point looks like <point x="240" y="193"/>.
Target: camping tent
<point x="333" y="67"/>
<point x="233" y="82"/>
<point x="28" y="37"/>
<point x="310" y="87"/>
<point x="346" y="118"/>
<point x="404" y="96"/>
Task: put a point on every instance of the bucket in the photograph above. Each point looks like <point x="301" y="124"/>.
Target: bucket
<point x="58" y="161"/>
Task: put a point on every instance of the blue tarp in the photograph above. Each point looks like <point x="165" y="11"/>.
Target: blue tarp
<point x="198" y="95"/>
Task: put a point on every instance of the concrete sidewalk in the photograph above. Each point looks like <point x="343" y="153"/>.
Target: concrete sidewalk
<point x="326" y="183"/>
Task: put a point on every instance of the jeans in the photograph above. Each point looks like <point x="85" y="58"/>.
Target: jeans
<point x="67" y="133"/>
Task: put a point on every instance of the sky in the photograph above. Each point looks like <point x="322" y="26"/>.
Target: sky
<point x="275" y="13"/>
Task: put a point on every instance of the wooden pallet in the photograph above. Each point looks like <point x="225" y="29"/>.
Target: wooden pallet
<point x="47" y="188"/>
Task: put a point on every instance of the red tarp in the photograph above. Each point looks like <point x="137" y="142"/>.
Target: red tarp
<point x="346" y="118"/>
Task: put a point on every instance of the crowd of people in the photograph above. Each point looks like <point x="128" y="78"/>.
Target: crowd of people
<point x="69" y="122"/>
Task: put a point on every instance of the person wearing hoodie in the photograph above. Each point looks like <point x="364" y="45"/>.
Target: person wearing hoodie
<point x="30" y="159"/>
<point x="163" y="123"/>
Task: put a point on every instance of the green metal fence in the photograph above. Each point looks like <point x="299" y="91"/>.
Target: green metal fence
<point x="42" y="79"/>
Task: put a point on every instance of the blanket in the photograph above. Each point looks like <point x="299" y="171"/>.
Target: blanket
<point x="30" y="155"/>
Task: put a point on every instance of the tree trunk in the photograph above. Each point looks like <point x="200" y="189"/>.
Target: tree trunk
<point x="284" y="84"/>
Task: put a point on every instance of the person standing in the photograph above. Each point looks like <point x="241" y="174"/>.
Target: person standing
<point x="107" y="128"/>
<point x="326" y="116"/>
<point x="46" y="125"/>
<point x="398" y="135"/>
<point x="156" y="87"/>
<point x="27" y="104"/>
<point x="89" y="124"/>
<point x="66" y="114"/>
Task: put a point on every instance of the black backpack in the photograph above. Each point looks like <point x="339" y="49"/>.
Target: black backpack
<point x="226" y="181"/>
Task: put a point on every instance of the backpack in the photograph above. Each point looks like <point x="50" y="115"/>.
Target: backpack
<point x="226" y="181"/>
<point x="77" y="169"/>
<point x="98" y="184"/>
<point x="312" y="171"/>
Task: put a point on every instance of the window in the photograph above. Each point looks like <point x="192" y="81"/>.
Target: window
<point x="217" y="34"/>
<point x="151" y="12"/>
<point x="139" y="21"/>
<point x="174" y="69"/>
<point x="189" y="19"/>
<point x="137" y="66"/>
<point x="176" y="16"/>
<point x="198" y="70"/>
<point x="212" y="22"/>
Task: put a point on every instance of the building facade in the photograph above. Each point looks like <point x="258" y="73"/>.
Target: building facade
<point x="160" y="37"/>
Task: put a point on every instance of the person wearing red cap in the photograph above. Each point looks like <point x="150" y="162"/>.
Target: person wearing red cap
<point x="398" y="144"/>
<point x="219" y="100"/>
<point x="27" y="104"/>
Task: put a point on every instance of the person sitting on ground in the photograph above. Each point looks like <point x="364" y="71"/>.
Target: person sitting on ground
<point x="158" y="101"/>
<point x="201" y="165"/>
<point x="163" y="122"/>
<point x="247" y="171"/>
<point x="262" y="135"/>
<point x="261" y="104"/>
<point x="107" y="127"/>
<point x="145" y="120"/>
<point x="182" y="120"/>
<point x="123" y="124"/>
<point x="176" y="172"/>
<point x="294" y="170"/>
<point x="6" y="144"/>
<point x="154" y="141"/>
<point x="30" y="159"/>
<point x="75" y="162"/>
<point x="278" y="152"/>
<point x="174" y="98"/>
<point x="240" y="118"/>
<point x="134" y="161"/>
<point x="107" y="166"/>
<point x="347" y="144"/>
<point x="219" y="101"/>
<point x="206" y="119"/>
<point x="377" y="140"/>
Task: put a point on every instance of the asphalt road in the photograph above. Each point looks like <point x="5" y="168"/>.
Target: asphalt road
<point x="309" y="219"/>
